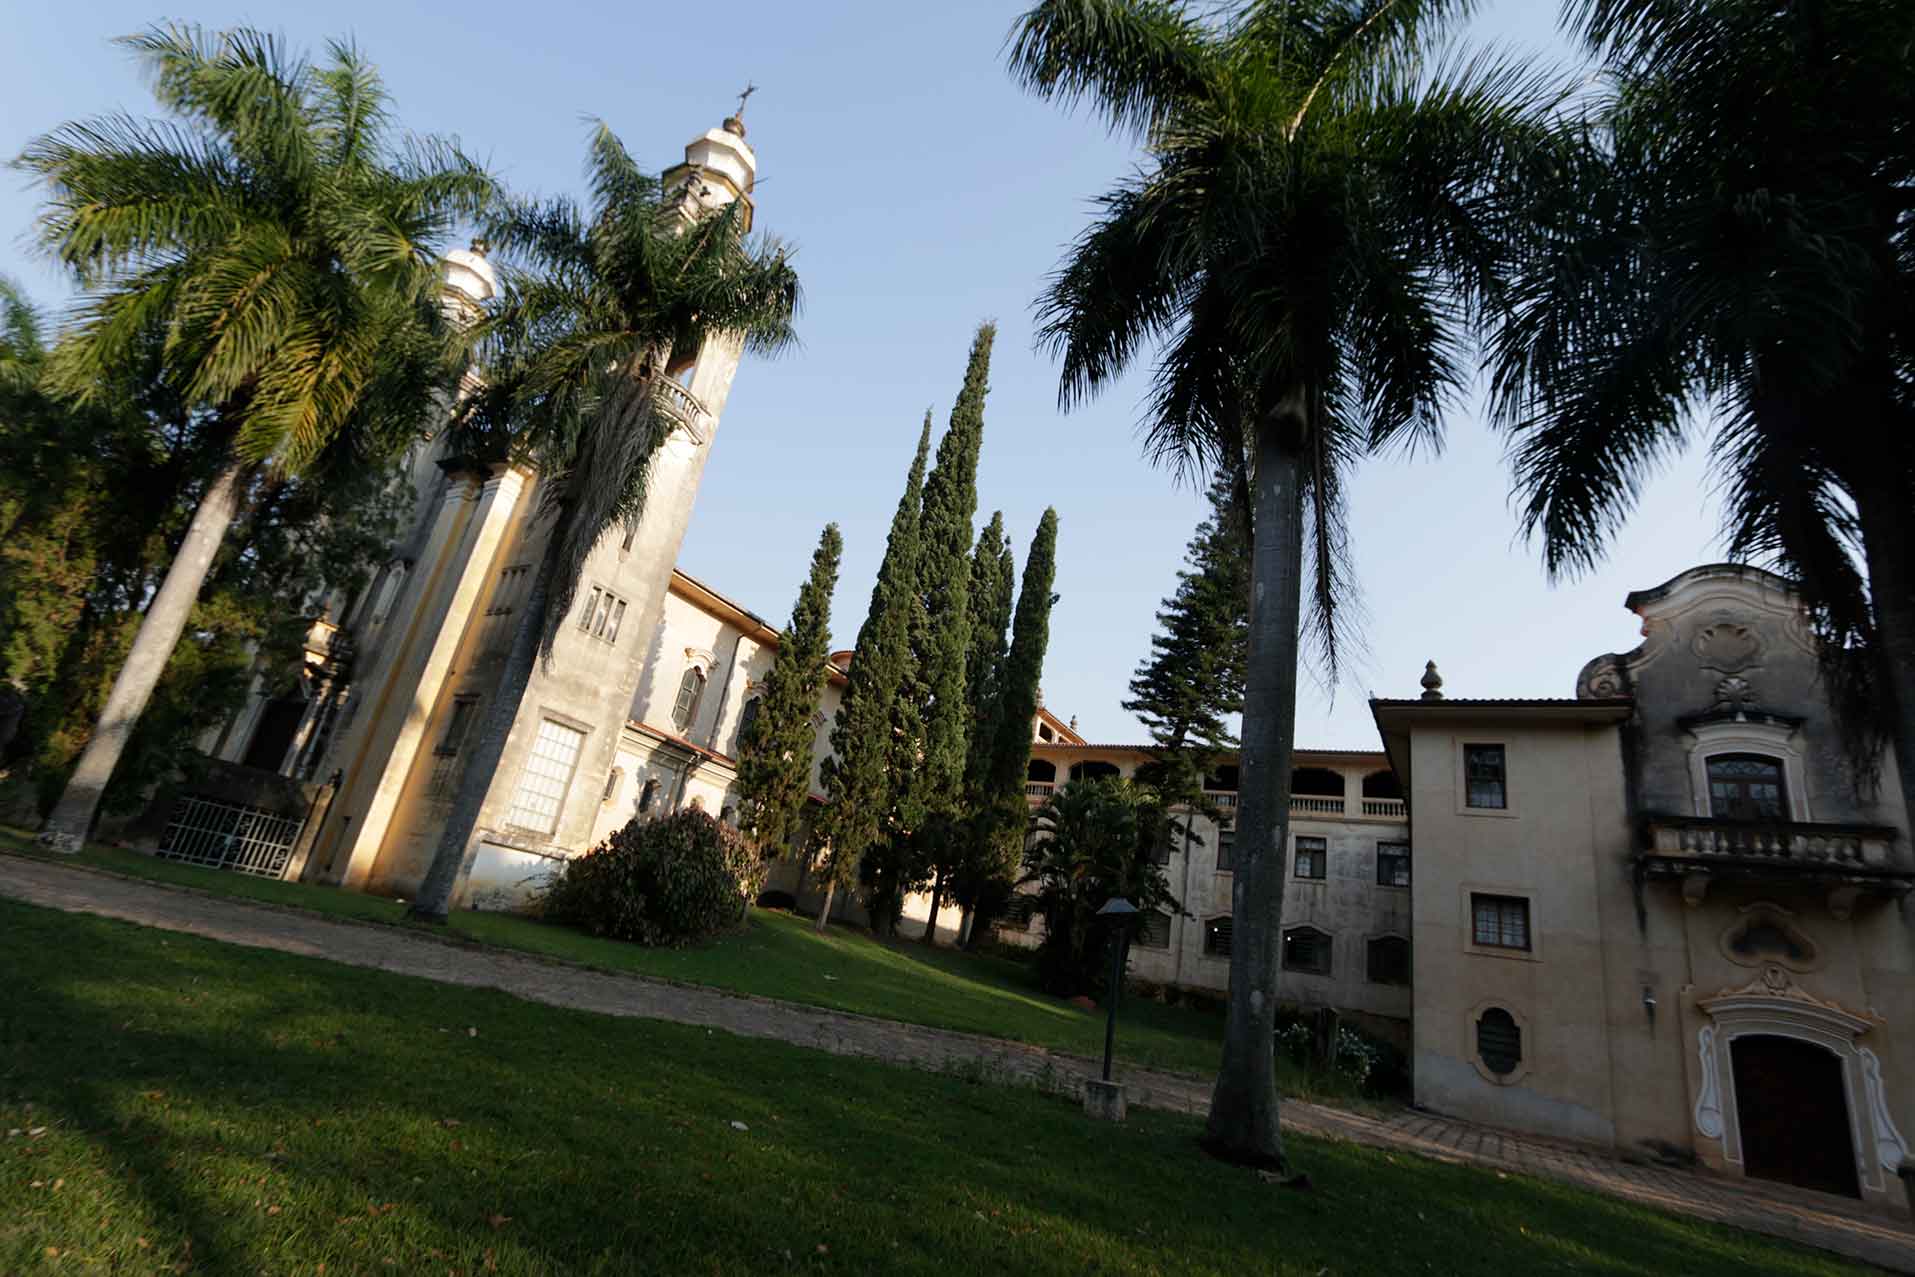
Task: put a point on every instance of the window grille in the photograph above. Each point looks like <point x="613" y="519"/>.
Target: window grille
<point x="1306" y="949"/>
<point x="1153" y="930"/>
<point x="506" y="598"/>
<point x="1485" y="776"/>
<point x="1313" y="857"/>
<point x="691" y="689"/>
<point x="1217" y="936"/>
<point x="547" y="775"/>
<point x="445" y="756"/>
<point x="1392" y="864"/>
<point x="1226" y="848"/>
<point x="1389" y="960"/>
<point x="1499" y="1041"/>
<point x="1500" y="922"/>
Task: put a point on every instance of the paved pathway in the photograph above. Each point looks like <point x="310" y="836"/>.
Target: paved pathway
<point x="1813" y="1219"/>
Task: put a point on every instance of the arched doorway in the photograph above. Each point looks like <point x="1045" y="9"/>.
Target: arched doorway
<point x="1792" y="1108"/>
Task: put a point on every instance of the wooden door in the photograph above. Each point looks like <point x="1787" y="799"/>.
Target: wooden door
<point x="1793" y="1114"/>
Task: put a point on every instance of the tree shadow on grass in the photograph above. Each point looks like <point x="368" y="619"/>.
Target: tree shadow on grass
<point x="243" y="1110"/>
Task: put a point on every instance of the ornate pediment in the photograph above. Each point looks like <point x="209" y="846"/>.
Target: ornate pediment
<point x="1774" y="992"/>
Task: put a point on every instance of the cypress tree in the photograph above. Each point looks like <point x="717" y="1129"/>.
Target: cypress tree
<point x="950" y="502"/>
<point x="774" y="758"/>
<point x="1017" y="705"/>
<point x="993" y="586"/>
<point x="1193" y="679"/>
<point x="858" y="789"/>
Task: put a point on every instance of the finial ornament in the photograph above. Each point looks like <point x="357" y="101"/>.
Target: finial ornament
<point x="480" y="246"/>
<point x="735" y="122"/>
<point x="1432" y="682"/>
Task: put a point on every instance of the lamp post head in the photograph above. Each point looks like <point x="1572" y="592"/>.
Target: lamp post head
<point x="1116" y="907"/>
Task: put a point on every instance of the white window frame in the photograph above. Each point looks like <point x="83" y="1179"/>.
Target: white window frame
<point x="1467" y="909"/>
<point x="1711" y="740"/>
<point x="524" y="814"/>
<point x="1459" y="747"/>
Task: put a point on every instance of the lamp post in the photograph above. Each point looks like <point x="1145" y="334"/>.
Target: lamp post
<point x="1119" y="911"/>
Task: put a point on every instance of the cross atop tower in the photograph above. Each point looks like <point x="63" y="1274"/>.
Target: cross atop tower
<point x="735" y="122"/>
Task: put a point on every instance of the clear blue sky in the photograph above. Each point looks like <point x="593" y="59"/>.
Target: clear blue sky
<point x="924" y="193"/>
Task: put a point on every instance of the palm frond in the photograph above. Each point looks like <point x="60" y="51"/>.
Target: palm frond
<point x="1135" y="62"/>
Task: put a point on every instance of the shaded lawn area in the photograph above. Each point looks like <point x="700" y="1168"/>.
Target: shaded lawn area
<point x="780" y="956"/>
<point x="186" y="1104"/>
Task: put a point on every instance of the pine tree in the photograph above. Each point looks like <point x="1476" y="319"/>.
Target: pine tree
<point x="857" y="777"/>
<point x="1017" y="705"/>
<point x="1193" y="679"/>
<point x="950" y="501"/>
<point x="774" y="759"/>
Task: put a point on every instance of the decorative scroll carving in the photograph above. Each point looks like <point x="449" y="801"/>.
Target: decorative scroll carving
<point x="1890" y="1147"/>
<point x="1709" y="1103"/>
<point x="1602" y="679"/>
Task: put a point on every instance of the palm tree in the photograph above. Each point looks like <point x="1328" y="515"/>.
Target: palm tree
<point x="1316" y="219"/>
<point x="597" y="306"/>
<point x="280" y="247"/>
<point x="1725" y="250"/>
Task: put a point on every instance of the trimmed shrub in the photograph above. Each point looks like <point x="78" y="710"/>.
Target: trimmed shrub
<point x="672" y="881"/>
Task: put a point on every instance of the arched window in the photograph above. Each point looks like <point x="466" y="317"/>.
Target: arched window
<point x="691" y="689"/>
<point x="1389" y="960"/>
<point x="1746" y="787"/>
<point x="1383" y="784"/>
<point x="1217" y="936"/>
<point x="1499" y="1041"/>
<point x="1306" y="949"/>
<point x="1319" y="782"/>
<point x="1041" y="770"/>
<point x="746" y="717"/>
<point x="1092" y="770"/>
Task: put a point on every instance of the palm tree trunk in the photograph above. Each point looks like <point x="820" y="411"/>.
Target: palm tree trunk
<point x="824" y="913"/>
<point x="452" y="861"/>
<point x="165" y="620"/>
<point x="1882" y="509"/>
<point x="1242" y="1127"/>
<point x="930" y="935"/>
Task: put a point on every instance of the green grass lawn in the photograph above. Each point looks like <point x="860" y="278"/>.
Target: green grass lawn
<point x="780" y="956"/>
<point x="168" y="1104"/>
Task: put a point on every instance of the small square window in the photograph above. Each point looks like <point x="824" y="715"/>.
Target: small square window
<point x="1485" y="777"/>
<point x="1499" y="922"/>
<point x="1393" y="864"/>
<point x="1313" y="857"/>
<point x="1389" y="960"/>
<point x="1217" y="936"/>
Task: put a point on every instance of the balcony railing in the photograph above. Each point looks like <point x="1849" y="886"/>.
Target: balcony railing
<point x="1393" y="808"/>
<point x="1780" y="843"/>
<point x="1038" y="789"/>
<point x="1308" y="805"/>
<point x="1324" y="805"/>
<point x="684" y="406"/>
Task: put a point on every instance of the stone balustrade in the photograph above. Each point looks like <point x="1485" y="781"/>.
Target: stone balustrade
<point x="1780" y="842"/>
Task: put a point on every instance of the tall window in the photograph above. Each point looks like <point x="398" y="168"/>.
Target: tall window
<point x="506" y="598"/>
<point x="1746" y="787"/>
<point x="648" y="795"/>
<point x="547" y="775"/>
<point x="1499" y="1041"/>
<point x="1306" y="949"/>
<point x="1485" y="777"/>
<point x="746" y="717"/>
<point x="602" y="614"/>
<point x="691" y="689"/>
<point x="1313" y="857"/>
<point x="1217" y="936"/>
<point x="1226" y="848"/>
<point x="445" y="755"/>
<point x="1499" y="922"/>
<point x="1393" y="864"/>
<point x="1389" y="960"/>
